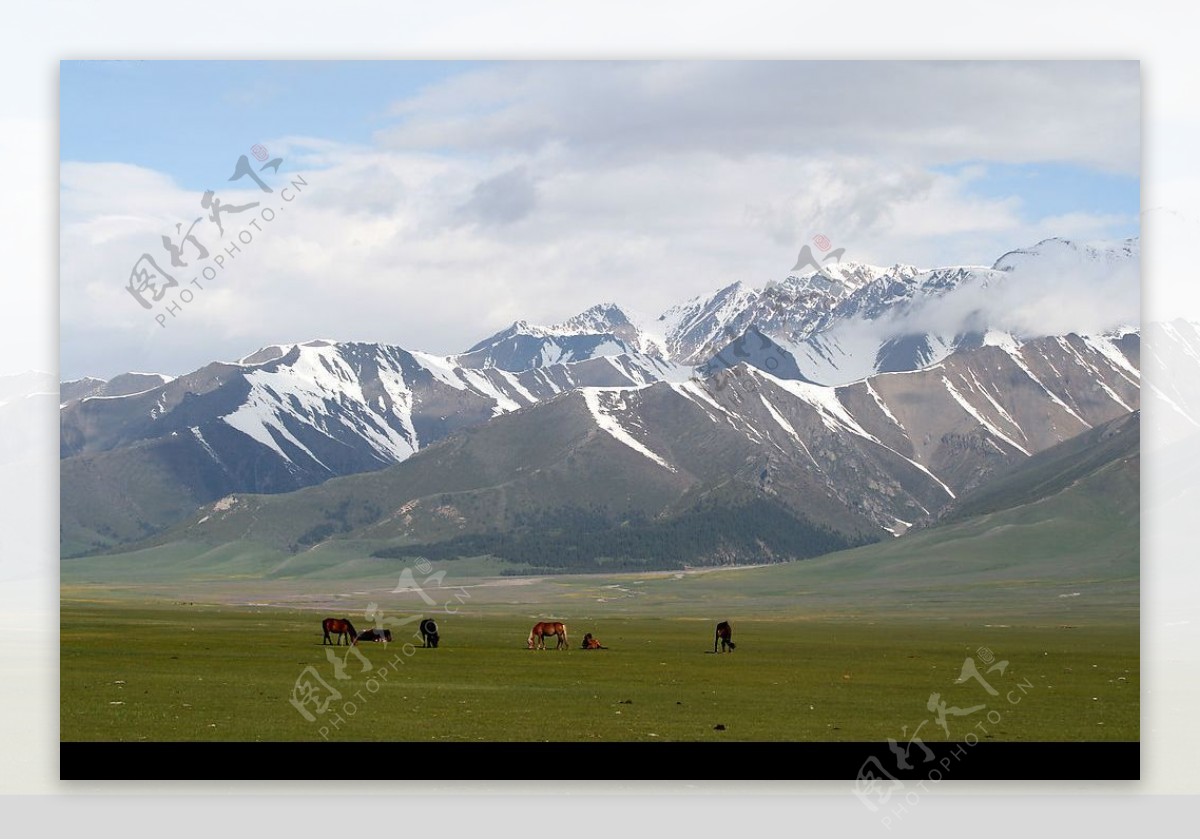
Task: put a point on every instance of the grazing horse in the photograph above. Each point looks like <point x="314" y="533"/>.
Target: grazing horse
<point x="429" y="633"/>
<point x="537" y="636"/>
<point x="342" y="627"/>
<point x="725" y="637"/>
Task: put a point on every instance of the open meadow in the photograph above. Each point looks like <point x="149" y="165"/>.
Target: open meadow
<point x="222" y="662"/>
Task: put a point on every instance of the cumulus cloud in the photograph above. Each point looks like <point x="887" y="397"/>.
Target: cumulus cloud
<point x="1062" y="287"/>
<point x="536" y="190"/>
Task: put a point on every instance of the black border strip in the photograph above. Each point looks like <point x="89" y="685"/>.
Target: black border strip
<point x="289" y="761"/>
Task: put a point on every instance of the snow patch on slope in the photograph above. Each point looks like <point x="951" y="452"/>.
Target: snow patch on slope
<point x="983" y="421"/>
<point x="601" y="402"/>
<point x="787" y="427"/>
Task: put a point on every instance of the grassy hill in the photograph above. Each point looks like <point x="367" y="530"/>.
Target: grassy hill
<point x="1053" y="470"/>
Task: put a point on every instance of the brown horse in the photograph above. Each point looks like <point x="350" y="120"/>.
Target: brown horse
<point x="590" y="642"/>
<point x="342" y="627"/>
<point x="724" y="636"/>
<point x="537" y="636"/>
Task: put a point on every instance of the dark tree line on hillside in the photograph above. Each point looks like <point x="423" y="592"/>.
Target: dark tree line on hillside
<point x="347" y="516"/>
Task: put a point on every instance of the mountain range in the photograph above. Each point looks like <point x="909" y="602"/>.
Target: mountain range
<point x="748" y="424"/>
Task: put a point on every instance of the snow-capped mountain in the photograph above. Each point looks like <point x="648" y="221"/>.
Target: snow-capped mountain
<point x="837" y="325"/>
<point x="143" y="450"/>
<point x="322" y="403"/>
<point x="118" y="386"/>
<point x="1060" y="254"/>
<point x="605" y="329"/>
<point x="523" y="347"/>
<point x="792" y="310"/>
<point x="896" y="319"/>
<point x="633" y="328"/>
<point x="853" y="462"/>
<point x="290" y="416"/>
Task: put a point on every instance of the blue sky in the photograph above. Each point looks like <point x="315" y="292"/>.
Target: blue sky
<point x="450" y="199"/>
<point x="1054" y="189"/>
<point x="184" y="117"/>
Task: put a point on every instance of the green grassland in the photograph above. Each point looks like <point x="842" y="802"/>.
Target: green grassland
<point x="154" y="671"/>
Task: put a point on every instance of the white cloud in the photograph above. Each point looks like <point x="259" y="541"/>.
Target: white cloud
<point x="923" y="112"/>
<point x="534" y="191"/>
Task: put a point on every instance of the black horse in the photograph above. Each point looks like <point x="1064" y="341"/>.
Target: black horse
<point x="725" y="637"/>
<point x="429" y="633"/>
<point x="383" y="635"/>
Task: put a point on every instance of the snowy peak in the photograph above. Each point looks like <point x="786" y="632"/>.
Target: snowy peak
<point x="842" y="279"/>
<point x="692" y="329"/>
<point x="633" y="328"/>
<point x="518" y="349"/>
<point x="119" y="386"/>
<point x="845" y="319"/>
<point x="605" y="329"/>
<point x="1061" y="253"/>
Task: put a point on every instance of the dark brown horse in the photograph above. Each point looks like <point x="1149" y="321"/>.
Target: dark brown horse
<point x="383" y="635"/>
<point x="429" y="633"/>
<point x="342" y="627"/>
<point x="537" y="636"/>
<point x="724" y="636"/>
